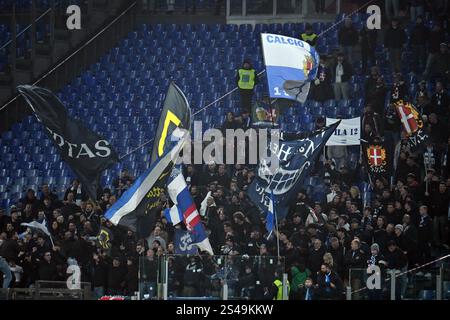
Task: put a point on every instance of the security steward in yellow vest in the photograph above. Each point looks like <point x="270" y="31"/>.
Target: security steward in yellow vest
<point x="246" y="81"/>
<point x="309" y="35"/>
<point x="278" y="286"/>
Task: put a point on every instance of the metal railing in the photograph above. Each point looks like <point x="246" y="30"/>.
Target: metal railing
<point x="276" y="8"/>
<point x="185" y="277"/>
<point x="415" y="284"/>
<point x="48" y="290"/>
<point x="184" y="6"/>
<point x="32" y="13"/>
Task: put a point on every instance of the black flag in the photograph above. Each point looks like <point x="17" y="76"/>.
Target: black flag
<point x="295" y="159"/>
<point x="176" y="113"/>
<point x="136" y="208"/>
<point x="376" y="159"/>
<point x="86" y="152"/>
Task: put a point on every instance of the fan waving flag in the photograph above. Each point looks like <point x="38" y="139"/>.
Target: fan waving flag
<point x="291" y="65"/>
<point x="38" y="226"/>
<point x="86" y="152"/>
<point x="175" y="117"/>
<point x="124" y="211"/>
<point x="295" y="159"/>
<point x="175" y="114"/>
<point x="182" y="198"/>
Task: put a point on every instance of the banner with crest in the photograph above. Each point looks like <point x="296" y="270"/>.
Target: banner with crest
<point x="412" y="124"/>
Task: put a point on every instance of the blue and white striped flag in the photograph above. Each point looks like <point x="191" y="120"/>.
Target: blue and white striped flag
<point x="173" y="215"/>
<point x="124" y="210"/>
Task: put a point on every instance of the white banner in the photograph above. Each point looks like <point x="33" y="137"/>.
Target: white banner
<point x="347" y="133"/>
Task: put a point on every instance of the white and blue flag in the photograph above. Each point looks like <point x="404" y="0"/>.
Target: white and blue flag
<point x="183" y="201"/>
<point x="173" y="215"/>
<point x="291" y="65"/>
<point x="184" y="242"/>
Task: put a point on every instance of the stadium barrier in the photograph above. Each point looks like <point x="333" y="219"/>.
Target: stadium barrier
<point x="219" y="277"/>
<point x="48" y="290"/>
<point x="414" y="284"/>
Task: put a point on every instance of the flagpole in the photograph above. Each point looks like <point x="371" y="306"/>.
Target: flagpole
<point x="363" y="151"/>
<point x="277" y="233"/>
<point x="425" y="165"/>
<point x="51" y="240"/>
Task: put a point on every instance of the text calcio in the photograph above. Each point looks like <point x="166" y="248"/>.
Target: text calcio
<point x="101" y="147"/>
<point x="283" y="40"/>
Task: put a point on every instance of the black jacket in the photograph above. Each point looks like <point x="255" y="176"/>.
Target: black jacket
<point x="396" y="259"/>
<point x="348" y="72"/>
<point x="435" y="38"/>
<point x="368" y="39"/>
<point x="131" y="279"/>
<point x="47" y="271"/>
<point x="315" y="259"/>
<point x="116" y="278"/>
<point x="338" y="259"/>
<point x="394" y="38"/>
<point x="419" y="35"/>
<point x="425" y="230"/>
<point x="99" y="274"/>
<point x="9" y="250"/>
<point x="348" y="36"/>
<point x="355" y="259"/>
<point x="324" y="288"/>
<point x="301" y="294"/>
<point x="380" y="237"/>
<point x="439" y="203"/>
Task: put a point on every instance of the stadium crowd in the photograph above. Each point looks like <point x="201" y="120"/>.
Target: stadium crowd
<point x="401" y="224"/>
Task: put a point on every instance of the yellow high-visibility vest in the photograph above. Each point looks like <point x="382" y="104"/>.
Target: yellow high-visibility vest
<point x="246" y="79"/>
<point x="309" y="37"/>
<point x="279" y="285"/>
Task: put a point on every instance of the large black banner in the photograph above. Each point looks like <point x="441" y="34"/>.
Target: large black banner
<point x="86" y="152"/>
<point x="295" y="159"/>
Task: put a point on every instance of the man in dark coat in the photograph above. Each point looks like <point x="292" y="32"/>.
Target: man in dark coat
<point x="394" y="39"/>
<point x="116" y="278"/>
<point x="424" y="235"/>
<point x="329" y="284"/>
<point x="315" y="257"/>
<point x="47" y="268"/>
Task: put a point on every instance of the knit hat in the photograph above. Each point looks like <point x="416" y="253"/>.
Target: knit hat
<point x="400" y="227"/>
<point x="375" y="246"/>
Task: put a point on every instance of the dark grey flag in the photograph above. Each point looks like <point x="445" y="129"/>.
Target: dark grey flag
<point x="86" y="152"/>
